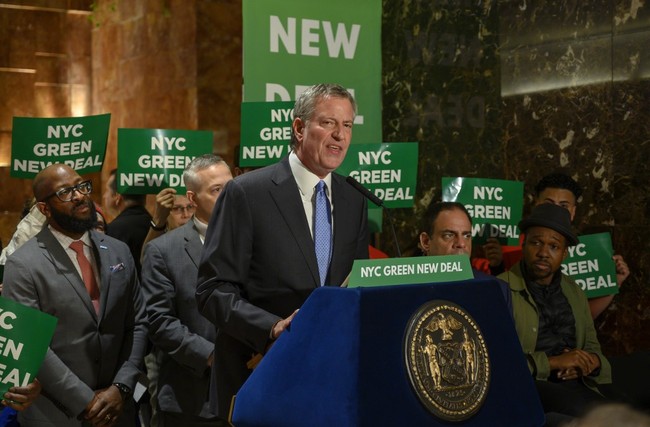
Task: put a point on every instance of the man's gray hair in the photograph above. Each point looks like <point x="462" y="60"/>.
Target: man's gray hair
<point x="198" y="164"/>
<point x="306" y="103"/>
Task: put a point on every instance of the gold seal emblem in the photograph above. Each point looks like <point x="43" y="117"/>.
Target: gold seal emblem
<point x="447" y="360"/>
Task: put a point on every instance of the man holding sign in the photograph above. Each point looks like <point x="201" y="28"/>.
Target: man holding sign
<point x="277" y="234"/>
<point x="89" y="282"/>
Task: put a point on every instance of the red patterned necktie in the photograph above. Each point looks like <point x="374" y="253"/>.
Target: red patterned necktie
<point x="87" y="273"/>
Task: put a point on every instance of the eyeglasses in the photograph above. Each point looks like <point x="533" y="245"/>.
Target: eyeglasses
<point x="179" y="209"/>
<point x="65" y="194"/>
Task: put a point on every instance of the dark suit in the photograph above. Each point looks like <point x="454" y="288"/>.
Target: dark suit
<point x="259" y="265"/>
<point x="131" y="226"/>
<point x="177" y="329"/>
<point x="88" y="351"/>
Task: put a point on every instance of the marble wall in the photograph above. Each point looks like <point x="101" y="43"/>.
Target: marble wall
<point x="564" y="85"/>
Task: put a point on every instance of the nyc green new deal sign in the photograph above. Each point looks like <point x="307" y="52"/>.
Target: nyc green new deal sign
<point x="495" y="206"/>
<point x="79" y="142"/>
<point x="292" y="44"/>
<point x="149" y="160"/>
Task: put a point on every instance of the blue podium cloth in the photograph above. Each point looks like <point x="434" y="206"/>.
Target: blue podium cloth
<point x="342" y="362"/>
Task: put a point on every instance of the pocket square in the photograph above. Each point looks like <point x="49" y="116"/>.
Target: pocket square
<point x="116" y="267"/>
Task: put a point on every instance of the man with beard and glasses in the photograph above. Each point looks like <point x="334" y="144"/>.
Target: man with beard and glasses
<point x="88" y="281"/>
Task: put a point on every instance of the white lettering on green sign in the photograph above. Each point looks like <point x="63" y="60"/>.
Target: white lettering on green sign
<point x="35" y="166"/>
<point x="13" y="377"/>
<point x="580" y="267"/>
<point x="393" y="194"/>
<point x="276" y="134"/>
<point x="310" y="37"/>
<point x="5" y="317"/>
<point x="491" y="193"/>
<point x="163" y="162"/>
<point x="398" y="270"/>
<point x="383" y="176"/>
<point x="372" y="271"/>
<point x="489" y="211"/>
<point x="578" y="249"/>
<point x="167" y="143"/>
<point x="63" y="149"/>
<point x="496" y="230"/>
<point x="281" y="115"/>
<point x="374" y="158"/>
<point x="594" y="283"/>
<point x="149" y="180"/>
<point x="55" y="131"/>
<point x="9" y="348"/>
<point x="262" y="152"/>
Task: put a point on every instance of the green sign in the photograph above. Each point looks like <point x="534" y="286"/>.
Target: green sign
<point x="79" y="142"/>
<point x="590" y="264"/>
<point x="149" y="160"/>
<point x="495" y="206"/>
<point x="25" y="335"/>
<point x="265" y="132"/>
<point x="292" y="44"/>
<point x="409" y="271"/>
<point x="389" y="170"/>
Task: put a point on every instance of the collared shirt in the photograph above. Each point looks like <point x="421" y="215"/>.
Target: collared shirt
<point x="201" y="227"/>
<point x="88" y="251"/>
<point x="557" y="330"/>
<point x="307" y="181"/>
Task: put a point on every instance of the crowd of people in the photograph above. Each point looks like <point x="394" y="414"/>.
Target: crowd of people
<point x="201" y="290"/>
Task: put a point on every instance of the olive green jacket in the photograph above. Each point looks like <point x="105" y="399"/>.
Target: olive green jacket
<point x="527" y="323"/>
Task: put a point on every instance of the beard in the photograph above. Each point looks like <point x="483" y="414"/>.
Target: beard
<point x="73" y="224"/>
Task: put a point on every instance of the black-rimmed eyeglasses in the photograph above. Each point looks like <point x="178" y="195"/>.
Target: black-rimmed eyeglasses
<point x="65" y="194"/>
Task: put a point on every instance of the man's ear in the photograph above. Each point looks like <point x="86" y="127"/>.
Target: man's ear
<point x="425" y="242"/>
<point x="298" y="128"/>
<point x="44" y="209"/>
<point x="566" y="253"/>
<point x="190" y="196"/>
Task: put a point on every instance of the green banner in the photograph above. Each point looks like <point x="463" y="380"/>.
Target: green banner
<point x="389" y="170"/>
<point x="265" y="132"/>
<point x="149" y="160"/>
<point x="495" y="206"/>
<point x="591" y="265"/>
<point x="292" y="44"/>
<point x="79" y="142"/>
<point x="25" y="336"/>
<point x="409" y="271"/>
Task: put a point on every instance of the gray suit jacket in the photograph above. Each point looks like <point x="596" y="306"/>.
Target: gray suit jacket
<point x="177" y="329"/>
<point x="88" y="352"/>
<point x="259" y="265"/>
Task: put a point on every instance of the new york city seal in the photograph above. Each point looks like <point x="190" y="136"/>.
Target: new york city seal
<point x="447" y="360"/>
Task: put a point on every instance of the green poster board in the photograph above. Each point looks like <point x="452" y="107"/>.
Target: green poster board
<point x="79" y="142"/>
<point x="265" y="132"/>
<point x="25" y="335"/>
<point x="292" y="44"/>
<point x="149" y="160"/>
<point x="590" y="264"/>
<point x="389" y="170"/>
<point x="495" y="206"/>
<point x="410" y="271"/>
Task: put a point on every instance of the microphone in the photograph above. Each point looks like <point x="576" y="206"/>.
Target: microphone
<point x="377" y="201"/>
<point x="363" y="190"/>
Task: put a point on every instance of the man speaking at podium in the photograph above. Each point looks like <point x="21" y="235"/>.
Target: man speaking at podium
<point x="277" y="234"/>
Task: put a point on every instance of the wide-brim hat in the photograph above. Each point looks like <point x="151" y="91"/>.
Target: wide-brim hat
<point x="551" y="216"/>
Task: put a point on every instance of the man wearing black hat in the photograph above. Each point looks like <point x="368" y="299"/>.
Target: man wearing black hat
<point x="552" y="317"/>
